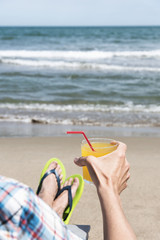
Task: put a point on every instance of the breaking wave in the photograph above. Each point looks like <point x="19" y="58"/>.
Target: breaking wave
<point x="77" y="65"/>
<point x="82" y="55"/>
<point x="128" y="107"/>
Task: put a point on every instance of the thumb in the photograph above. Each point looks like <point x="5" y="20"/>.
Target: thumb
<point x="82" y="161"/>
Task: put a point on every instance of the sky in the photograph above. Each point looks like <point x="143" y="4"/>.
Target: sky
<point x="79" y="12"/>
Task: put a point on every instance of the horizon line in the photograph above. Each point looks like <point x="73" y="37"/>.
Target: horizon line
<point x="80" y="26"/>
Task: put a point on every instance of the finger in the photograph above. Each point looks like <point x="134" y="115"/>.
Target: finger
<point x="126" y="177"/>
<point x="114" y="143"/>
<point x="81" y="161"/>
<point x="124" y="182"/>
<point x="121" y="152"/>
<point x="122" y="147"/>
<point x="124" y="186"/>
<point x="125" y="173"/>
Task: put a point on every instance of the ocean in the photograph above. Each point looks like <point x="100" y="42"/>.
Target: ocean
<point x="79" y="77"/>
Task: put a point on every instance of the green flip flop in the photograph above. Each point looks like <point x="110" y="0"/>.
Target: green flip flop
<point x="72" y="202"/>
<point x="45" y="173"/>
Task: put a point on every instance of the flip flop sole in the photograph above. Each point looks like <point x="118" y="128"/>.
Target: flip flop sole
<point x="76" y="197"/>
<point x="59" y="163"/>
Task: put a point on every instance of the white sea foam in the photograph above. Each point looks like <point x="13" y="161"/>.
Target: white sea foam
<point x="38" y="119"/>
<point x="76" y="121"/>
<point x="14" y="118"/>
<point x="80" y="55"/>
<point x="128" y="107"/>
<point x="77" y="65"/>
<point x="82" y="114"/>
<point x="77" y="60"/>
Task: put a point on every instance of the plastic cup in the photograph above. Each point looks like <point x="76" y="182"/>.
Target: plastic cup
<point x="102" y="146"/>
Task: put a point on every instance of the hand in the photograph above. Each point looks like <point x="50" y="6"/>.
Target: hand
<point x="110" y="171"/>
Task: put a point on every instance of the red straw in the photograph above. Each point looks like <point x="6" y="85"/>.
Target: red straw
<point x="80" y="132"/>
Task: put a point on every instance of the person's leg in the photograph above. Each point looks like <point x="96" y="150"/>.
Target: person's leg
<point x="49" y="190"/>
<point x="61" y="202"/>
<point x="49" y="187"/>
<point x="23" y="215"/>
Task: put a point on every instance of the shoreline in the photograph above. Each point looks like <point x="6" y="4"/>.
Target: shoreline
<point x="17" y="129"/>
<point x="24" y="158"/>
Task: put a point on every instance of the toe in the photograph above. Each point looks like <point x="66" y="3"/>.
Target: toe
<point x="70" y="181"/>
<point x="75" y="185"/>
<point x="59" y="172"/>
<point x="53" y="165"/>
<point x="67" y="183"/>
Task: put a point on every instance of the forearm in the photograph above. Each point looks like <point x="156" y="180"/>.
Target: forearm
<point x="115" y="224"/>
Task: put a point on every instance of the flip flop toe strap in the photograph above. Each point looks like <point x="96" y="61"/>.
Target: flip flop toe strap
<point x="70" y="200"/>
<point x="53" y="171"/>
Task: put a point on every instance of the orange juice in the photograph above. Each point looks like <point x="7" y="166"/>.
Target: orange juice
<point x="102" y="146"/>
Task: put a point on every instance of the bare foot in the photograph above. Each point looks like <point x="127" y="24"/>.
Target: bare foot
<point x="49" y="186"/>
<point x="61" y="202"/>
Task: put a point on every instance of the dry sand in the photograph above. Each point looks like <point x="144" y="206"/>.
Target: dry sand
<point x="24" y="158"/>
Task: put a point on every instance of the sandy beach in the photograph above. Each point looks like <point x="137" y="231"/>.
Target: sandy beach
<point x="24" y="158"/>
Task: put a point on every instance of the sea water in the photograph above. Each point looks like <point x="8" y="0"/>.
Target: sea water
<point x="80" y="76"/>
